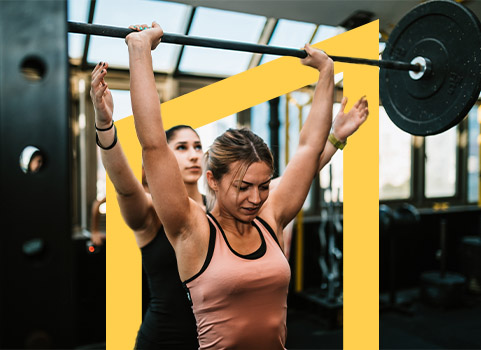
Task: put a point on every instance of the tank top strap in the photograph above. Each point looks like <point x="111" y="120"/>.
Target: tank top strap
<point x="213" y="232"/>
<point x="269" y="229"/>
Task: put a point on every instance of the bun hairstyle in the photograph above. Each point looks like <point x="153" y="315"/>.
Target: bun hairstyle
<point x="232" y="146"/>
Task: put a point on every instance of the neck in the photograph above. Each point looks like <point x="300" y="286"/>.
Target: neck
<point x="229" y="222"/>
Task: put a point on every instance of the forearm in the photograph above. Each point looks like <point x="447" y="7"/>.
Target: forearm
<point x="326" y="155"/>
<point x="145" y="100"/>
<point x="318" y="123"/>
<point x="130" y="193"/>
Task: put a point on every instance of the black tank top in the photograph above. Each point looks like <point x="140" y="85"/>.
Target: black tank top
<point x="168" y="322"/>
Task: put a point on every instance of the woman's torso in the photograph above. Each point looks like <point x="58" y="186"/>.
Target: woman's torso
<point x="240" y="301"/>
<point x="168" y="322"/>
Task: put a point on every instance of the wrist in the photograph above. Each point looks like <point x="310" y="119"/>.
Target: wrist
<point x="339" y="136"/>
<point x="336" y="142"/>
<point x="336" y="130"/>
<point x="102" y="120"/>
<point x="104" y="126"/>
<point x="137" y="42"/>
<point x="104" y="135"/>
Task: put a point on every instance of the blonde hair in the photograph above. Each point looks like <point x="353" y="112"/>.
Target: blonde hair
<point x="232" y="146"/>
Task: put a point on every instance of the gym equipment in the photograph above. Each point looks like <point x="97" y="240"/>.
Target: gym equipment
<point x="443" y="288"/>
<point x="393" y="224"/>
<point x="327" y="297"/>
<point x="470" y="254"/>
<point x="448" y="36"/>
<point x="38" y="289"/>
<point x="430" y="71"/>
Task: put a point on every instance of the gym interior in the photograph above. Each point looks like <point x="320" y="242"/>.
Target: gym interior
<point x="53" y="278"/>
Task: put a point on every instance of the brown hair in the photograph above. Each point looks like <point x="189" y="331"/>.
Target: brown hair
<point x="170" y="133"/>
<point x="235" y="145"/>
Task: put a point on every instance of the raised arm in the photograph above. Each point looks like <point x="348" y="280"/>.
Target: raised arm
<point x="169" y="195"/>
<point x="343" y="126"/>
<point x="284" y="203"/>
<point x="133" y="202"/>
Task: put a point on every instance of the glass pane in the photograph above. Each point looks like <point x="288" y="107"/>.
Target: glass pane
<point x="440" y="178"/>
<point x="290" y="34"/>
<point x="172" y="17"/>
<point x="473" y="154"/>
<point x="225" y="25"/>
<point x="77" y="12"/>
<point x="122" y="104"/>
<point x="394" y="160"/>
<point x="326" y="32"/>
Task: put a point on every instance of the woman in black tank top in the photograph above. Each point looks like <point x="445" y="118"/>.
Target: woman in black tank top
<point x="168" y="322"/>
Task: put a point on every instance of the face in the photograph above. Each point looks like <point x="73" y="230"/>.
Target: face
<point x="243" y="198"/>
<point x="188" y="150"/>
<point x="36" y="163"/>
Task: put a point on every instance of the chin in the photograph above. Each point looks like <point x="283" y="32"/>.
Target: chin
<point x="191" y="179"/>
<point x="246" y="218"/>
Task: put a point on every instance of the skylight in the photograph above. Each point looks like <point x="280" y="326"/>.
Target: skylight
<point x="225" y="25"/>
<point x="172" y="17"/>
<point x="77" y="12"/>
<point x="290" y="34"/>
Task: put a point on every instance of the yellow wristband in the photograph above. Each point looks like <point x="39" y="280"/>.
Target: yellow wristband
<point x="335" y="142"/>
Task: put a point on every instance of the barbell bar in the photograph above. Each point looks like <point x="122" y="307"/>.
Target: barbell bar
<point x="180" y="39"/>
<point x="430" y="72"/>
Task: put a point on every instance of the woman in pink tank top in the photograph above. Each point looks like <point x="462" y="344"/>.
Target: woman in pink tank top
<point x="231" y="261"/>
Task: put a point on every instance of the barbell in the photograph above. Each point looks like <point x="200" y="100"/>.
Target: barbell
<point x="430" y="72"/>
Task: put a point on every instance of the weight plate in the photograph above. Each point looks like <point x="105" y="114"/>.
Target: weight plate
<point x="449" y="35"/>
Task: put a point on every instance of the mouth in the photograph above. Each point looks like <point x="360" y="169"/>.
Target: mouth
<point x="252" y="210"/>
<point x="194" y="168"/>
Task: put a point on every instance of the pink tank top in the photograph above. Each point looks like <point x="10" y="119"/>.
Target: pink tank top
<point x="240" y="301"/>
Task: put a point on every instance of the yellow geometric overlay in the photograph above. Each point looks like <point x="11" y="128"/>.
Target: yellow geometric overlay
<point x="232" y="95"/>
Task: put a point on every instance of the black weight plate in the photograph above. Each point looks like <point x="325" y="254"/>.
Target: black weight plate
<point x="449" y="35"/>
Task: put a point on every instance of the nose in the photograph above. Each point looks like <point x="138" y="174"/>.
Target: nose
<point x="254" y="196"/>
<point x="193" y="155"/>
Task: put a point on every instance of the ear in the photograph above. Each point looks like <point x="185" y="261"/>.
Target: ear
<point x="213" y="183"/>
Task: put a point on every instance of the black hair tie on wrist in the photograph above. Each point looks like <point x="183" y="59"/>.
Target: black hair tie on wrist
<point x="106" y="129"/>
<point x="113" y="143"/>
